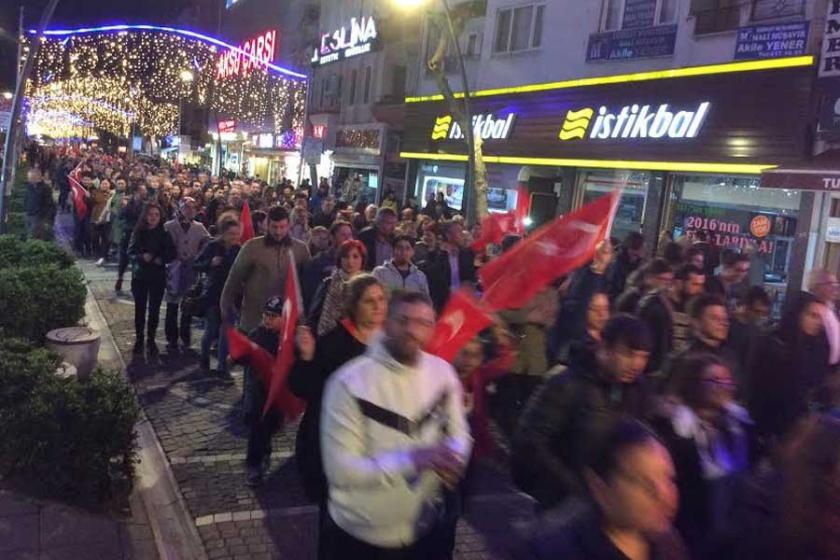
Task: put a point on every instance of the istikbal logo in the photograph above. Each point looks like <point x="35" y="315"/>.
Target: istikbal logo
<point x="634" y="121"/>
<point x="441" y="129"/>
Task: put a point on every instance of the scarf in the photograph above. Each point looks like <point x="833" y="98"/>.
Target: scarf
<point x="333" y="302"/>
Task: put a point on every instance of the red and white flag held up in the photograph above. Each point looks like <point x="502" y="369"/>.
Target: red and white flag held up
<point x="461" y="319"/>
<point x="246" y="223"/>
<point x="552" y="251"/>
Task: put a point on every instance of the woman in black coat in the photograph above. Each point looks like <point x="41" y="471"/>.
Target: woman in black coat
<point x="150" y="249"/>
<point x="366" y="307"/>
<point x="790" y="369"/>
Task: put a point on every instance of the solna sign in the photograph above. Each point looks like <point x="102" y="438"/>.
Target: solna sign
<point x="343" y="43"/>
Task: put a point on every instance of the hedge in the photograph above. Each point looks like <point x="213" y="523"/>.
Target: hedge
<point x="37" y="299"/>
<point x="32" y="252"/>
<point x="75" y="440"/>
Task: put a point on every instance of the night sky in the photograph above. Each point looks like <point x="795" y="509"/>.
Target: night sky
<point x="73" y="13"/>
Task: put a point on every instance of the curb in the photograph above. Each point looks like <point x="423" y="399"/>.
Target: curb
<point x="176" y="536"/>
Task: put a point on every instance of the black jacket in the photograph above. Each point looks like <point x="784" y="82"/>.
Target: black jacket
<point x="618" y="272"/>
<point x="131" y="213"/>
<point x="38" y="201"/>
<point x="560" y="422"/>
<point x="314" y="272"/>
<point x="368" y="237"/>
<point x="216" y="276"/>
<point x="574" y="532"/>
<point x="570" y="325"/>
<point x="307" y="381"/>
<point x="155" y="241"/>
<point x="655" y="311"/>
<point x="439" y="274"/>
<point x="674" y="362"/>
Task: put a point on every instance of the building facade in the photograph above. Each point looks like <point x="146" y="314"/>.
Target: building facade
<point x="684" y="104"/>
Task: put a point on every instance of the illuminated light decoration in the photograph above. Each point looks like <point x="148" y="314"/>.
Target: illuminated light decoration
<point x="712" y="69"/>
<point x="319" y="131"/>
<point x="145" y="62"/>
<point x="261" y="51"/>
<point x="684" y="166"/>
<point x="341" y="43"/>
<point x="227" y="126"/>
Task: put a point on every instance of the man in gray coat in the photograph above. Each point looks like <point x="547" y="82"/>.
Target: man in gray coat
<point x="189" y="238"/>
<point x="259" y="271"/>
<point x="400" y="273"/>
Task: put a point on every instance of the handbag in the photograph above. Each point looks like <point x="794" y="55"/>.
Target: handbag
<point x="195" y="300"/>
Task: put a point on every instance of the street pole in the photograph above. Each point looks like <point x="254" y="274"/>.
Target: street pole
<point x="9" y="156"/>
<point x="468" y="201"/>
<point x="19" y="136"/>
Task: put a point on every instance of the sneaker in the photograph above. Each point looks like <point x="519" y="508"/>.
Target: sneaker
<point x="152" y="348"/>
<point x="100" y="262"/>
<point x="253" y="477"/>
<point x="118" y="286"/>
<point x="138" y="346"/>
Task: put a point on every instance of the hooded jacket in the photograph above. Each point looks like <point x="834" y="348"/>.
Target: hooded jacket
<point x="393" y="279"/>
<point x="376" y="411"/>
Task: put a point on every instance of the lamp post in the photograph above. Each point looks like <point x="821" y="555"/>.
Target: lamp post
<point x="475" y="193"/>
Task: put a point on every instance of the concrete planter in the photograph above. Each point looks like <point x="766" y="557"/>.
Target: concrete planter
<point x="78" y="346"/>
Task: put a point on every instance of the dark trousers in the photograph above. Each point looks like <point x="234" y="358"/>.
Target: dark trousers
<point x="175" y="328"/>
<point x="214" y="331"/>
<point x="512" y="395"/>
<point x="335" y="543"/>
<point x="260" y="428"/>
<point x="102" y="239"/>
<point x="147" y="290"/>
<point x="123" y="264"/>
<point x="81" y="235"/>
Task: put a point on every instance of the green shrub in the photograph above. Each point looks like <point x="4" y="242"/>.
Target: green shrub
<point x="37" y="299"/>
<point x="16" y="224"/>
<point x="76" y="440"/>
<point x="31" y="252"/>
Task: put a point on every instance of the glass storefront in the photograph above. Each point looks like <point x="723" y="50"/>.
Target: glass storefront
<point x="631" y="209"/>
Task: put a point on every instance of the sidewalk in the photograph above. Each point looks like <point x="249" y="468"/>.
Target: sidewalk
<point x="197" y="420"/>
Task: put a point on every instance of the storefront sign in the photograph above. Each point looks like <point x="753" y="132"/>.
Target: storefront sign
<point x="801" y="179"/>
<point x="359" y="38"/>
<point x="727" y="227"/>
<point x="487" y="126"/>
<point x="638" y="13"/>
<point x="227" y="126"/>
<point x="832" y="230"/>
<point x="643" y="42"/>
<point x="634" y="122"/>
<point x="772" y="41"/>
<point x="254" y="53"/>
<point x="702" y="117"/>
<point x="319" y="131"/>
<point x="830" y="112"/>
<point x="830" y="63"/>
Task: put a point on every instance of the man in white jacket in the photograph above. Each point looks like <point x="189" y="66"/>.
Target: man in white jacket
<point x="400" y="273"/>
<point x="394" y="436"/>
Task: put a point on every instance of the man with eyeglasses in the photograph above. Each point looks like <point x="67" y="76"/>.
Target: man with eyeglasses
<point x="731" y="283"/>
<point x="394" y="436"/>
<point x="824" y="285"/>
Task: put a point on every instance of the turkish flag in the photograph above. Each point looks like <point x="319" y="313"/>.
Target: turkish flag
<point x="79" y="197"/>
<point x="279" y="395"/>
<point x="493" y="229"/>
<point x="523" y="206"/>
<point x="246" y="222"/>
<point x="555" y="249"/>
<point x="462" y="319"/>
<point x="240" y="347"/>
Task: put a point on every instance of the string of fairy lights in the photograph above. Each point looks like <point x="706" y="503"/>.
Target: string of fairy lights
<point x="116" y="80"/>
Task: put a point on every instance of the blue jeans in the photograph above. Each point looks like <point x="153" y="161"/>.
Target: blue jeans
<point x="213" y="331"/>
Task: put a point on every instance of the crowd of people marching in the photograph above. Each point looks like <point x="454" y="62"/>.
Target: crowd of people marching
<point x="651" y="403"/>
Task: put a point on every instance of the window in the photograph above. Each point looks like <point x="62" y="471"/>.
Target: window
<point x="473" y="49"/>
<point x="518" y="29"/>
<point x="353" y="77"/>
<point x="398" y="82"/>
<point x="642" y="14"/>
<point x="367" y="85"/>
<point x="714" y="16"/>
<point x="771" y="9"/>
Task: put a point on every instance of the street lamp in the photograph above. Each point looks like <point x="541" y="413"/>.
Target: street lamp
<point x="469" y="132"/>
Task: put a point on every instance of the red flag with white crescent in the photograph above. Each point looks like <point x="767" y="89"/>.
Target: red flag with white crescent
<point x="462" y="319"/>
<point x="279" y="395"/>
<point x="246" y="222"/>
<point x="552" y="251"/>
<point x="79" y="197"/>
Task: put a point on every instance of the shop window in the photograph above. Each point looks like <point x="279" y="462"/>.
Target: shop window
<point x="615" y="14"/>
<point x="518" y="29"/>
<point x="715" y="16"/>
<point x="631" y="209"/>
<point x="366" y="97"/>
<point x="772" y="9"/>
<point x="734" y="212"/>
<point x="353" y="78"/>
